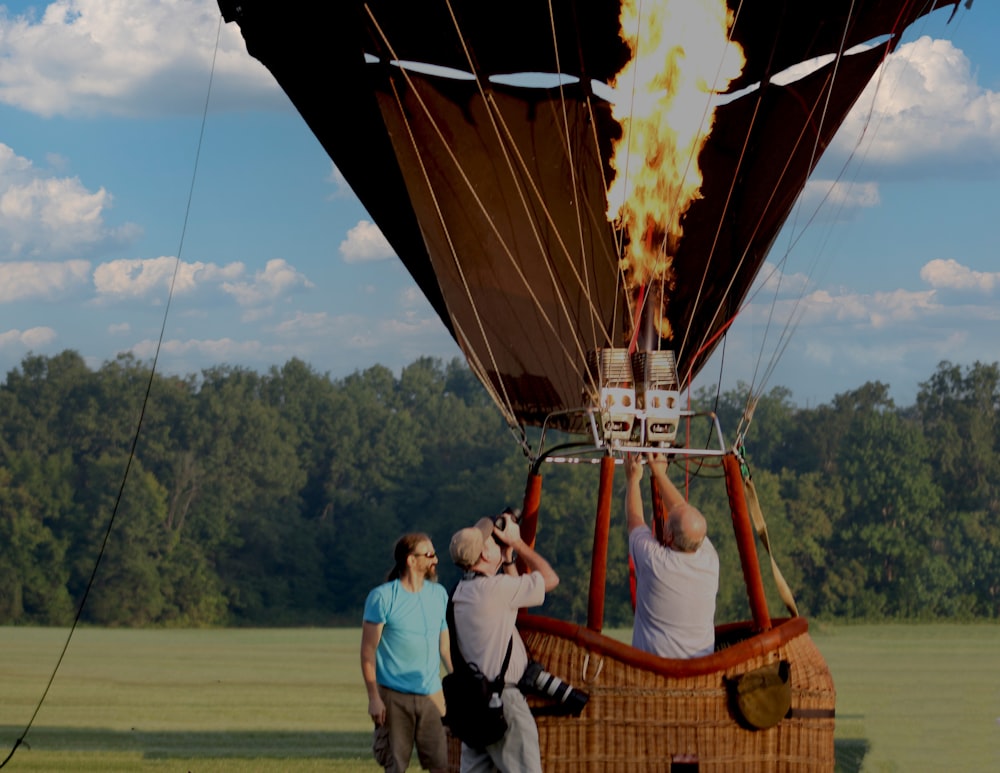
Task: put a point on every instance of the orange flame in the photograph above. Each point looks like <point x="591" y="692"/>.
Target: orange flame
<point x="681" y="52"/>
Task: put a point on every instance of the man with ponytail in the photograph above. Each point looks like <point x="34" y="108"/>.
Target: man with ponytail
<point x="404" y="640"/>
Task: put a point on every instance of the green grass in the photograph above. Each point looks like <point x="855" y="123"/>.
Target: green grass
<point x="198" y="700"/>
<point x="909" y="698"/>
<point x="915" y="697"/>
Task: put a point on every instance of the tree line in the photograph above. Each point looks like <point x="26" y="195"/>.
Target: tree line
<point x="275" y="498"/>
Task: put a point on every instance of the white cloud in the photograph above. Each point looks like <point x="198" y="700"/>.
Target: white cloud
<point x="950" y="274"/>
<point x="924" y="104"/>
<point x="144" y="57"/>
<point x="39" y="281"/>
<point x="772" y="279"/>
<point x="304" y="322"/>
<point x="874" y="310"/>
<point x="28" y="339"/>
<point x="413" y="297"/>
<point x="844" y="338"/>
<point x="214" y="351"/>
<point x="49" y="217"/>
<point x="839" y="196"/>
<point x="364" y="243"/>
<point x="142" y="278"/>
<point x="277" y="279"/>
<point x="393" y="340"/>
<point x="336" y="177"/>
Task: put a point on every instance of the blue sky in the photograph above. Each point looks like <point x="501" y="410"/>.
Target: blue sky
<point x="100" y="114"/>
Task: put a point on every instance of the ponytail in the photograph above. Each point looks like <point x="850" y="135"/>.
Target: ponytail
<point x="402" y="550"/>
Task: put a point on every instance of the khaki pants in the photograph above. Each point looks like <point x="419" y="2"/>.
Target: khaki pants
<point x="411" y="718"/>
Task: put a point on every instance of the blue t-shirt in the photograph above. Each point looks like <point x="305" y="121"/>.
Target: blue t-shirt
<point x="408" y="658"/>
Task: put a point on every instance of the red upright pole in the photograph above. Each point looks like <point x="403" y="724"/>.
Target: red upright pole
<point x="599" y="559"/>
<point x="659" y="511"/>
<point x="745" y="543"/>
<point x="529" y="514"/>
<point x="529" y="508"/>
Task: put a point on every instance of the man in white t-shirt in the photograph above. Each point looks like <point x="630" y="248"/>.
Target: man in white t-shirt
<point x="676" y="580"/>
<point x="486" y="605"/>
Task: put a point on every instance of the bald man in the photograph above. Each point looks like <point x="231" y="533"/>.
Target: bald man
<point x="676" y="580"/>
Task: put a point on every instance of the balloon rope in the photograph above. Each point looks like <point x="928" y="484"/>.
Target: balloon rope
<point x="510" y="149"/>
<point x="573" y="358"/>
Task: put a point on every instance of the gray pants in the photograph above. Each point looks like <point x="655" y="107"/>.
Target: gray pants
<point x="517" y="751"/>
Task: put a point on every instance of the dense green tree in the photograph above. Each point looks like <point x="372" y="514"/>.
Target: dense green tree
<point x="812" y="503"/>
<point x="128" y="585"/>
<point x="891" y="505"/>
<point x="960" y="415"/>
<point x="311" y="405"/>
<point x="32" y="561"/>
<point x="266" y="499"/>
<point x="819" y="433"/>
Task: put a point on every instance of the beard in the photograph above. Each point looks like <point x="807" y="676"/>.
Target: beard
<point x="432" y="573"/>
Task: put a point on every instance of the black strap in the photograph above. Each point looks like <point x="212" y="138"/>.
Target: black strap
<point x="456" y="654"/>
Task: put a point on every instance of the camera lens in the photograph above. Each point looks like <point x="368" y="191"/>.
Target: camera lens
<point x="542" y="682"/>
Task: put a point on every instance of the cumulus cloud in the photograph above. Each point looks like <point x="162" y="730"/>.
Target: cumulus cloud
<point x="151" y="278"/>
<point x="31" y="338"/>
<point x="337" y="179"/>
<point x="42" y="215"/>
<point x="840" y="338"/>
<point x="392" y="339"/>
<point x="213" y="351"/>
<point x="925" y="103"/>
<point x="876" y="310"/>
<point x="304" y="322"/>
<point x="952" y="275"/>
<point x="88" y="57"/>
<point x="838" y="198"/>
<point x="771" y="278"/>
<point x="142" y="278"/>
<point x="40" y="281"/>
<point x="277" y="279"/>
<point x="365" y="243"/>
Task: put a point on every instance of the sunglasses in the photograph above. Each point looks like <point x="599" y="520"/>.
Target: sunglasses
<point x="432" y="554"/>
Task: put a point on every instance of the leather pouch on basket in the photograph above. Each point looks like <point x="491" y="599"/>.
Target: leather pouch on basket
<point x="761" y="698"/>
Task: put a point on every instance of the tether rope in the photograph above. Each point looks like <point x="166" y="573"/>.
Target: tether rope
<point x="142" y="413"/>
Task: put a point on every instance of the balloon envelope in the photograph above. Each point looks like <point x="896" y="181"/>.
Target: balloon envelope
<point x="494" y="195"/>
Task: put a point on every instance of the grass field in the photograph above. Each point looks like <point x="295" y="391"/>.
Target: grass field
<point x="909" y="698"/>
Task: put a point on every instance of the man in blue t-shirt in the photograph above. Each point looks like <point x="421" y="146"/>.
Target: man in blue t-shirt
<point x="404" y="640"/>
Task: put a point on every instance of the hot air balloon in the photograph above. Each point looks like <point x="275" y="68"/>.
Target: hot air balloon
<point x="587" y="231"/>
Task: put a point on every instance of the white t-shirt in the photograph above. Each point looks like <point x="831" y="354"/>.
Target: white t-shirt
<point x="485" y="614"/>
<point x="674" y="597"/>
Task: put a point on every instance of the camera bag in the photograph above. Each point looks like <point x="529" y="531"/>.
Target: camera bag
<point x="473" y="703"/>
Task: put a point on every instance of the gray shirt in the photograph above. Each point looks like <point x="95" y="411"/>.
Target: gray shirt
<point x="674" y="597"/>
<point x="485" y="613"/>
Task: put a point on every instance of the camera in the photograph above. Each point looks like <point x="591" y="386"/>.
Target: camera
<point x="539" y="681"/>
<point x="509" y="512"/>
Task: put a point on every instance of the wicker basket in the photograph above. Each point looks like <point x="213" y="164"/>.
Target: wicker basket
<point x="655" y="714"/>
